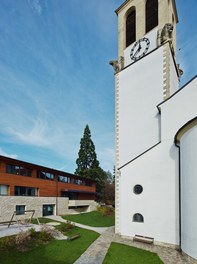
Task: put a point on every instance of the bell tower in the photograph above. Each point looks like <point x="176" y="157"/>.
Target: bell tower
<point x="146" y="74"/>
<point x="136" y="18"/>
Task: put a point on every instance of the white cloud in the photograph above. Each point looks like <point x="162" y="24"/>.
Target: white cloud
<point x="36" y="136"/>
<point x="3" y="153"/>
<point x="35" y="6"/>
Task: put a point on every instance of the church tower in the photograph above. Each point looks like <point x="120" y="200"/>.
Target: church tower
<point x="146" y="74"/>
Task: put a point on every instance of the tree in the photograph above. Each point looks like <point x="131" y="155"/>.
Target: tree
<point x="88" y="165"/>
<point x="109" y="189"/>
<point x="99" y="176"/>
<point x="87" y="155"/>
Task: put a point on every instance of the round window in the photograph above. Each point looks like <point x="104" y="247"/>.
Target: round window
<point x="138" y="189"/>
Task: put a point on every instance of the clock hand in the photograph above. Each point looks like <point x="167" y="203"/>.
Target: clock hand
<point x="139" y="47"/>
<point x="137" y="51"/>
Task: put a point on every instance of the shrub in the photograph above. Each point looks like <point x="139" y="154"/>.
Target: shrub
<point x="65" y="227"/>
<point x="46" y="234"/>
<point x="105" y="210"/>
<point x="22" y="240"/>
<point x="33" y="233"/>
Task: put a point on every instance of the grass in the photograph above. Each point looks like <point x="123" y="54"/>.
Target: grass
<point x="55" y="252"/>
<point x="95" y="219"/>
<point x="42" y="220"/>
<point x="119" y="253"/>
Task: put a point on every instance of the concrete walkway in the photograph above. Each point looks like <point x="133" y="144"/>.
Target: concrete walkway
<point x="58" y="218"/>
<point x="15" y="229"/>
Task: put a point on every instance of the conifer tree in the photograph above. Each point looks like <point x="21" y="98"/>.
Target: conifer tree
<point x="88" y="165"/>
<point x="87" y="158"/>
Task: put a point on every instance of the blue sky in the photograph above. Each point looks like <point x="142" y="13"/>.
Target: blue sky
<point x="55" y="77"/>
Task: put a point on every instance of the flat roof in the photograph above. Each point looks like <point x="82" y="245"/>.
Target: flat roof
<point x="39" y="167"/>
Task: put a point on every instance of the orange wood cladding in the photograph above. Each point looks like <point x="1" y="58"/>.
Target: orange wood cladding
<point x="46" y="188"/>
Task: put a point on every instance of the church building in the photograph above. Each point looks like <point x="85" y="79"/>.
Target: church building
<point x="156" y="130"/>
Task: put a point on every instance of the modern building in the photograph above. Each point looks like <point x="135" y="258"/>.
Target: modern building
<point x="156" y="129"/>
<point x="25" y="186"/>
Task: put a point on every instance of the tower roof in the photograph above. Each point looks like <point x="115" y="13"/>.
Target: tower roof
<point x="173" y="3"/>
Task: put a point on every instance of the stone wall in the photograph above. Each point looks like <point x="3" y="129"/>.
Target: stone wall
<point x="60" y="205"/>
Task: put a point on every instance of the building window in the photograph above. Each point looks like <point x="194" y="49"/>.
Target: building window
<point x="45" y="175"/>
<point x="151" y="14"/>
<point x="78" y="182"/>
<point x="3" y="189"/>
<point x="20" y="209"/>
<point x="138" y="189"/>
<point x="130" y="28"/>
<point x="25" y="191"/>
<point x="64" y="179"/>
<point x="138" y="218"/>
<point x="48" y="209"/>
<point x="18" y="170"/>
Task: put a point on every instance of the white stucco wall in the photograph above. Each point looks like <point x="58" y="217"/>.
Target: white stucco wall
<point x="158" y="169"/>
<point x="188" y="149"/>
<point x="178" y="110"/>
<point x="141" y="89"/>
<point x="157" y="172"/>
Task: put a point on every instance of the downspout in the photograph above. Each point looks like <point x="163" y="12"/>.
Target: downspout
<point x="57" y="195"/>
<point x="180" y="239"/>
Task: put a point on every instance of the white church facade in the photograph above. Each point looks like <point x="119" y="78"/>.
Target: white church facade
<point x="156" y="129"/>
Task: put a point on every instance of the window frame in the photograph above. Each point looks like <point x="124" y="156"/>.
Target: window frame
<point x="130" y="27"/>
<point x="137" y="186"/>
<point x="136" y="217"/>
<point x="3" y="194"/>
<point x="151" y="15"/>
<point x="78" y="181"/>
<point x="20" y="212"/>
<point x="18" y="170"/>
<point x="25" y="191"/>
<point x="64" y="179"/>
<point x="45" y="175"/>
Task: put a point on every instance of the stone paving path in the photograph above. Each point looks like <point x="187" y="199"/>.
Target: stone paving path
<point x="97" y="251"/>
<point x="99" y="230"/>
<point x="167" y="255"/>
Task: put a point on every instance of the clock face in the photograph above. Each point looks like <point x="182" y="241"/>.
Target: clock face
<point x="139" y="49"/>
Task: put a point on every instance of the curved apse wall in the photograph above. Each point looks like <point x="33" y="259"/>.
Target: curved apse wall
<point x="188" y="152"/>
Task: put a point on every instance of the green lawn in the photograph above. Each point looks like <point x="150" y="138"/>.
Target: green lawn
<point x="42" y="220"/>
<point x="55" y="252"/>
<point x="95" y="219"/>
<point x="119" y="253"/>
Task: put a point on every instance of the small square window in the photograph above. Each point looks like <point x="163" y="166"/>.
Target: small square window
<point x="20" y="209"/>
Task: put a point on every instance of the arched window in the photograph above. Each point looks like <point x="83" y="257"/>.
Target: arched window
<point x="138" y="218"/>
<point x="130" y="28"/>
<point x="151" y="14"/>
